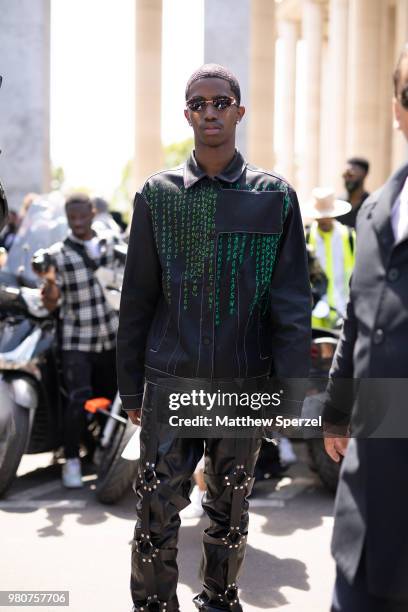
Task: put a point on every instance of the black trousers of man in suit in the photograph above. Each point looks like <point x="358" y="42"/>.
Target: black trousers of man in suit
<point x="355" y="597"/>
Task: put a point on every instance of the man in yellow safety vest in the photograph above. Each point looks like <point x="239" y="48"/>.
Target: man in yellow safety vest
<point x="333" y="245"/>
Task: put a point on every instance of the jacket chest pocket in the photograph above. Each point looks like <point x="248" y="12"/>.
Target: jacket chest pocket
<point x="252" y="212"/>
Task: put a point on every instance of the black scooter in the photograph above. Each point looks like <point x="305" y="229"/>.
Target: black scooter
<point x="28" y="367"/>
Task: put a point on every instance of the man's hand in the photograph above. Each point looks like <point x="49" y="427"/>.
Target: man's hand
<point x="50" y="292"/>
<point x="336" y="447"/>
<point x="134" y="416"/>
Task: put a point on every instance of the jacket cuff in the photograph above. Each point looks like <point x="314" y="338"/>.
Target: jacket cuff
<point x="335" y="422"/>
<point x="131" y="402"/>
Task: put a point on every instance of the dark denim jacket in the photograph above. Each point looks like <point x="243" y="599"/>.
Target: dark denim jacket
<point x="216" y="284"/>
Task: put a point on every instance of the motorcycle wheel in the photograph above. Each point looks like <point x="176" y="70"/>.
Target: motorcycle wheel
<point x="115" y="475"/>
<point x="327" y="469"/>
<point x="15" y="448"/>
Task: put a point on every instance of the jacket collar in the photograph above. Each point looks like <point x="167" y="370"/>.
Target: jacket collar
<point x="385" y="201"/>
<point x="193" y="172"/>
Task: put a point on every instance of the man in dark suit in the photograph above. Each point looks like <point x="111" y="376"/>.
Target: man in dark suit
<point x="370" y="538"/>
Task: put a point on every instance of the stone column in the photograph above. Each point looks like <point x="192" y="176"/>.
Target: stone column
<point x="338" y="43"/>
<point x="326" y="118"/>
<point x="25" y="97"/>
<point x="399" y="145"/>
<point x="262" y="83"/>
<point x="226" y="42"/>
<point x="312" y="28"/>
<point x="288" y="34"/>
<point x="148" y="145"/>
<point x="365" y="116"/>
<point x="385" y="89"/>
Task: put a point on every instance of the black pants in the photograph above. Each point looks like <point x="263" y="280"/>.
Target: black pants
<point x="356" y="598"/>
<point x="166" y="466"/>
<point x="86" y="375"/>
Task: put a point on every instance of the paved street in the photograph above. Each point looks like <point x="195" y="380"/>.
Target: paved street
<point x="52" y="539"/>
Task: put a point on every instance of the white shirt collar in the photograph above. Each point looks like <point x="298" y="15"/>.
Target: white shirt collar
<point x="399" y="214"/>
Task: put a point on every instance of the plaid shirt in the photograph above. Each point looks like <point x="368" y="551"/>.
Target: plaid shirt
<point x="88" y="321"/>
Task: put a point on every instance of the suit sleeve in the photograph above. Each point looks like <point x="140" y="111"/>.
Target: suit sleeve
<point x="140" y="293"/>
<point x="341" y="386"/>
<point x="291" y="299"/>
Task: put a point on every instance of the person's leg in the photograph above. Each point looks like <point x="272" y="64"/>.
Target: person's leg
<point x="162" y="486"/>
<point x="229" y="469"/>
<point x="77" y="378"/>
<point x="199" y="479"/>
<point x="76" y="367"/>
<point x="356" y="598"/>
<point x="104" y="380"/>
<point x="195" y="509"/>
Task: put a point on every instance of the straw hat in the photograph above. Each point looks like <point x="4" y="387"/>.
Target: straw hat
<point x="324" y="205"/>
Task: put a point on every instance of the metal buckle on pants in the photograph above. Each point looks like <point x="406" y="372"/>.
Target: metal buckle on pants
<point x="146" y="549"/>
<point x="239" y="478"/>
<point x="230" y="595"/>
<point x="234" y="538"/>
<point x="154" y="605"/>
<point x="149" y="477"/>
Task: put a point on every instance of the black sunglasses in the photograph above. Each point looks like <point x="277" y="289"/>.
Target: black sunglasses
<point x="220" y="103"/>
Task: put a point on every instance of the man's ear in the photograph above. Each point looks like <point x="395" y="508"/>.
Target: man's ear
<point x="187" y="116"/>
<point x="240" y="113"/>
<point x="397" y="113"/>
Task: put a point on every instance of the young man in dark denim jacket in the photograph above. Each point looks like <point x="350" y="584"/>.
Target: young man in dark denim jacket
<point x="216" y="288"/>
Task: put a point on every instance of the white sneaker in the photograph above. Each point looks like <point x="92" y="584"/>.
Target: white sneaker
<point x="195" y="509"/>
<point x="287" y="455"/>
<point x="71" y="473"/>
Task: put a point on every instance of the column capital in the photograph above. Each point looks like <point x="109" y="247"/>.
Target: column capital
<point x="288" y="10"/>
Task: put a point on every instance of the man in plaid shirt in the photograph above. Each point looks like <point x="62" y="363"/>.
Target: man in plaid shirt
<point x="88" y="322"/>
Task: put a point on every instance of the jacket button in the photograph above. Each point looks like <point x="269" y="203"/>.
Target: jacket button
<point x="393" y="274"/>
<point x="378" y="336"/>
<point x="206" y="340"/>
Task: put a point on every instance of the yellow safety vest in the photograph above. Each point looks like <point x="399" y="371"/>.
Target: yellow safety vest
<point x="348" y="255"/>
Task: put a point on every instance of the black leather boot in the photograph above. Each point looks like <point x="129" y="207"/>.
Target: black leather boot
<point x="207" y="601"/>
